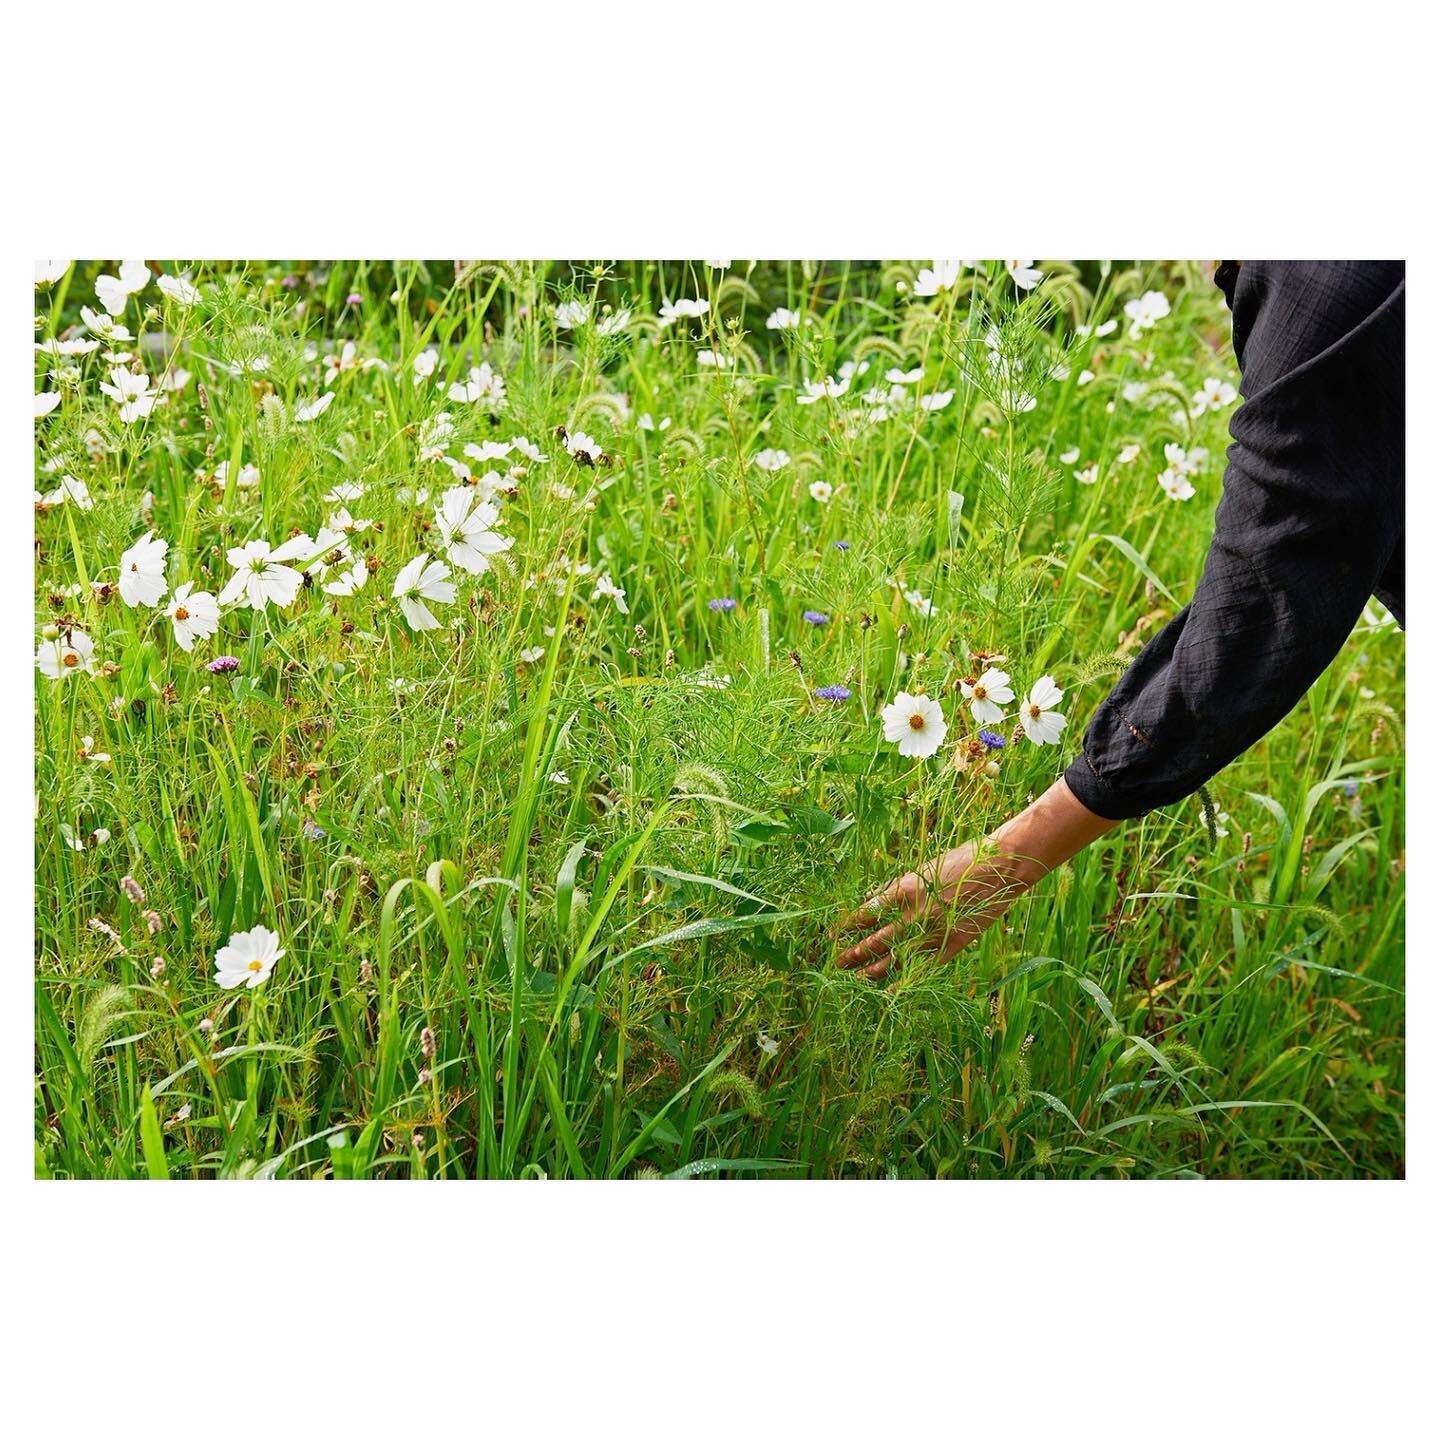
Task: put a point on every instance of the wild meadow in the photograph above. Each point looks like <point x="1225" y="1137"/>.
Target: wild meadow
<point x="458" y="731"/>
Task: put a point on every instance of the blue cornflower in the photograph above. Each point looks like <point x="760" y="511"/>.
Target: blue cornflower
<point x="832" y="692"/>
<point x="1351" y="788"/>
<point x="816" y="617"/>
<point x="722" y="602"/>
<point x="311" y="831"/>
<point x="842" y="544"/>
<point x="991" y="741"/>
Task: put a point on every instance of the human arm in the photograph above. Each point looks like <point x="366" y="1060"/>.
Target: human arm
<point x="950" y="901"/>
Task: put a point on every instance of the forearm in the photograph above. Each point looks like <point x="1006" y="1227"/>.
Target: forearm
<point x="1048" y="832"/>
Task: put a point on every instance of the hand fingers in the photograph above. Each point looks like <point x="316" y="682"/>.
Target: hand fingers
<point x="869" y="949"/>
<point x="878" y="969"/>
<point x="868" y="915"/>
<point x="900" y="896"/>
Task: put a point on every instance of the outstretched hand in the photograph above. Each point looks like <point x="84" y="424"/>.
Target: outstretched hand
<point x="945" y="906"/>
<point x="949" y="902"/>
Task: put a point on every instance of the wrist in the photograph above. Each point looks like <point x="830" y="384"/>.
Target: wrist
<point x="1047" y="833"/>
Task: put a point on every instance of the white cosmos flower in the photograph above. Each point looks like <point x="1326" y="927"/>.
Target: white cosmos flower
<point x="528" y="449"/>
<point x="570" y="314"/>
<point x="113" y="291"/>
<point x="142" y="572"/>
<point x="1085" y="377"/>
<point x="897" y="376"/>
<point x="821" y="491"/>
<point x="1089" y="475"/>
<point x="45" y="402"/>
<point x="612" y="324"/>
<point x="345" y="491"/>
<point x="174" y="380"/>
<point x="489" y="450"/>
<point x="313" y="409"/>
<point x="345" y="523"/>
<point x="261" y="575"/>
<point x="988" y="695"/>
<point x="532" y="655"/>
<point x="482" y="386"/>
<point x="103" y="325"/>
<point x="1128" y="453"/>
<point x="1183" y="461"/>
<point x="1212" y="395"/>
<point x="1069" y="457"/>
<point x="714" y="359"/>
<point x="246" y="478"/>
<point x="782" y="319"/>
<point x="423" y="579"/>
<point x="820" y="389"/>
<point x="469" y="533"/>
<point x="194" y="615"/>
<point x="683" y="309"/>
<point x="178" y="289"/>
<point x="1024" y="274"/>
<point x="937" y="276"/>
<point x="937" y="400"/>
<point x="422" y="367"/>
<point x="248" y="959"/>
<point x="579" y="443"/>
<point x="1037" y="712"/>
<point x="1145" y="310"/>
<point x="605" y="586"/>
<point x="132" y="393"/>
<point x="49" y="272"/>
<point x="70" y="490"/>
<point x="648" y="422"/>
<point x="80" y="346"/>
<point x="351" y="579"/>
<point x="771" y="460"/>
<point x="915" y="723"/>
<point x="70" y="653"/>
<point x="1175" y="485"/>
<point x="922" y="604"/>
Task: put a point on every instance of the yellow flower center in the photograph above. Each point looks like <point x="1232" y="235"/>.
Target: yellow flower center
<point x="978" y="691"/>
<point x="70" y="659"/>
<point x="917" y="722"/>
<point x="254" y="965"/>
<point x="181" y="613"/>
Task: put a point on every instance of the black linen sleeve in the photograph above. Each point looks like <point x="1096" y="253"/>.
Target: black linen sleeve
<point x="1312" y="513"/>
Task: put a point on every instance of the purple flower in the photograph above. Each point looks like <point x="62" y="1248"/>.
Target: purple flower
<point x="816" y="617"/>
<point x="991" y="741"/>
<point x="1351" y="788"/>
<point x="836" y="693"/>
<point x="290" y="282"/>
<point x="352" y="298"/>
<point x="722" y="602"/>
<point x="222" y="664"/>
<point x="842" y="544"/>
<point x="311" y="831"/>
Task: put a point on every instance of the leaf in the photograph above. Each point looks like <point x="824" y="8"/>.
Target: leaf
<point x="565" y="884"/>
<point x="684" y="877"/>
<point x="1135" y="558"/>
<point x="701" y="929"/>
<point x="152" y="1142"/>
<point x="811" y="820"/>
<point x="954" y="512"/>
<point x="737" y="1166"/>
